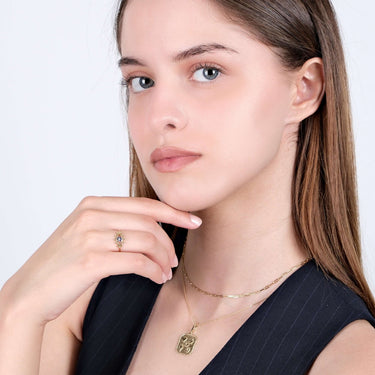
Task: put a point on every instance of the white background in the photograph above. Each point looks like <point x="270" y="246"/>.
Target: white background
<point x="62" y="130"/>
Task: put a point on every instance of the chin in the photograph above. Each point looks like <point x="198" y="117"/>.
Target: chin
<point x="188" y="204"/>
<point x="190" y="194"/>
<point x="188" y="200"/>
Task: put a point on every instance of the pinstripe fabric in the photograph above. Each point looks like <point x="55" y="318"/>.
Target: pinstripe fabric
<point x="284" y="335"/>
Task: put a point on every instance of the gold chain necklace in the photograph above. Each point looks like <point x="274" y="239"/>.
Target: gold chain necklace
<point x="241" y="295"/>
<point x="188" y="340"/>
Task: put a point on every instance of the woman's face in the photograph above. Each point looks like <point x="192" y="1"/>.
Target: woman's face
<point x="231" y="115"/>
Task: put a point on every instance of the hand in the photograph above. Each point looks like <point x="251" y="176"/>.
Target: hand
<point x="82" y="251"/>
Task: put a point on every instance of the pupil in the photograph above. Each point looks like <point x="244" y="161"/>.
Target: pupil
<point x="209" y="73"/>
<point x="145" y="81"/>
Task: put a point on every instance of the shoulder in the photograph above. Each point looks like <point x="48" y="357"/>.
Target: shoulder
<point x="351" y="351"/>
<point x="347" y="329"/>
<point x="105" y="292"/>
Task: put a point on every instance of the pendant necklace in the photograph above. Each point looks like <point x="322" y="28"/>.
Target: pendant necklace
<point x="188" y="340"/>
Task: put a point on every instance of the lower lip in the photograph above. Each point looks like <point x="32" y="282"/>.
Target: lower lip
<point x="174" y="164"/>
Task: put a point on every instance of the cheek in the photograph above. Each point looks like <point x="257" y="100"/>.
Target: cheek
<point x="138" y="133"/>
<point x="134" y="116"/>
<point x="243" y="134"/>
<point x="246" y="122"/>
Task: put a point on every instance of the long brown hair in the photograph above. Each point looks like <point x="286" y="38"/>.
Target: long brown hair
<point x="324" y="191"/>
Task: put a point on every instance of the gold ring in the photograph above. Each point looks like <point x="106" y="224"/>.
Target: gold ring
<point x="119" y="240"/>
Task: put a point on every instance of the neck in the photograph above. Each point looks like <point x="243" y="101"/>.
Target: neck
<point x="243" y="247"/>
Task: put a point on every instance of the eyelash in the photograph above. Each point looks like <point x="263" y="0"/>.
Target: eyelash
<point x="127" y="80"/>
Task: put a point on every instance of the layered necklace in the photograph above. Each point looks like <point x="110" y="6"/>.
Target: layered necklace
<point x="188" y="340"/>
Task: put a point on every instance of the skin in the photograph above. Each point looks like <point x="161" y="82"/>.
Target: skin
<point x="184" y="109"/>
<point x="247" y="153"/>
<point x="244" y="125"/>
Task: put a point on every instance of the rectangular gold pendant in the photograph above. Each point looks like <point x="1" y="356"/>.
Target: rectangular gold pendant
<point x="186" y="343"/>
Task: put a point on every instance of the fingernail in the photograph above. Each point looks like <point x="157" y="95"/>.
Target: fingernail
<point x="195" y="220"/>
<point x="165" y="277"/>
<point x="175" y="261"/>
<point x="170" y="274"/>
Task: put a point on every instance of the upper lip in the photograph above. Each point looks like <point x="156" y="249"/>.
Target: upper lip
<point x="170" y="152"/>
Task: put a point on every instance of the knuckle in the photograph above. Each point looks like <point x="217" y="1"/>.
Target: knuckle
<point x="148" y="223"/>
<point x="139" y="261"/>
<point x="143" y="265"/>
<point x="87" y="201"/>
<point x="149" y="240"/>
<point x="85" y="218"/>
<point x="171" y="248"/>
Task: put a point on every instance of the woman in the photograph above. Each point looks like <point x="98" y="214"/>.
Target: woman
<point x="239" y="117"/>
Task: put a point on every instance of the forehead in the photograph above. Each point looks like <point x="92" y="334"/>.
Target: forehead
<point x="168" y="25"/>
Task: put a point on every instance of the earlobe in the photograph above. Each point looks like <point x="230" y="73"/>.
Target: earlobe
<point x="309" y="89"/>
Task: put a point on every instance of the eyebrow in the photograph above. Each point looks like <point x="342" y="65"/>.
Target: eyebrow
<point x="193" y="51"/>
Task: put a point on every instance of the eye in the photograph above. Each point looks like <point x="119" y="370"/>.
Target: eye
<point x="201" y="73"/>
<point x="137" y="84"/>
<point x="206" y="72"/>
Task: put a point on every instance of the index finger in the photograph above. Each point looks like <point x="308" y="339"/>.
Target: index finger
<point x="158" y="210"/>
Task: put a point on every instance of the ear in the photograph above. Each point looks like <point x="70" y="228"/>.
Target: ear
<point x="308" y="90"/>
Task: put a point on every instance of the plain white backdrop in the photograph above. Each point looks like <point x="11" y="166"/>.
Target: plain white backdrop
<point x="63" y="134"/>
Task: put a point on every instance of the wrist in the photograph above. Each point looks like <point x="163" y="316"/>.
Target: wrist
<point x="16" y="312"/>
<point x="20" y="340"/>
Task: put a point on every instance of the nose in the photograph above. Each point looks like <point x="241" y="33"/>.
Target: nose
<point x="166" y="110"/>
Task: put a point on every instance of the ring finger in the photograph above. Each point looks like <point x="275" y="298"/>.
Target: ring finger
<point x="132" y="241"/>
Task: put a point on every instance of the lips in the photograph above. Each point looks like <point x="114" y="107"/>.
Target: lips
<point x="171" y="159"/>
<point x="170" y="152"/>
